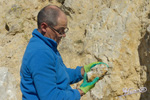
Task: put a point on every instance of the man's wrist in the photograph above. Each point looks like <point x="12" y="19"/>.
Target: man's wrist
<point x="81" y="92"/>
<point x="82" y="71"/>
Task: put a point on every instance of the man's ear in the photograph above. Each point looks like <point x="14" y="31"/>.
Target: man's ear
<point x="43" y="27"/>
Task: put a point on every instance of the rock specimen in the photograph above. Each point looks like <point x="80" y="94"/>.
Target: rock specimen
<point x="97" y="71"/>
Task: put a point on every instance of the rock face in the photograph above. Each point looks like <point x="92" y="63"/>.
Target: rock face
<point x="112" y="31"/>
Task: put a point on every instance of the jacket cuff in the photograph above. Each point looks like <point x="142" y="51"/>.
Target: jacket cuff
<point x="79" y="71"/>
<point x="78" y="94"/>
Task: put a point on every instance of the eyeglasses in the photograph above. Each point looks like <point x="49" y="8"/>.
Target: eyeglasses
<point x="60" y="32"/>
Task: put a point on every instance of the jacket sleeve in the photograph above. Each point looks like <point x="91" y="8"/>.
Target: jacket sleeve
<point x="74" y="74"/>
<point x="44" y="77"/>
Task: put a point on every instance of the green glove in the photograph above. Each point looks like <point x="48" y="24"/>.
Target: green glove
<point x="87" y="68"/>
<point x="86" y="86"/>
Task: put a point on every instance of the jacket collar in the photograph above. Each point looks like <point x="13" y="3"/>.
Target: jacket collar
<point x="50" y="42"/>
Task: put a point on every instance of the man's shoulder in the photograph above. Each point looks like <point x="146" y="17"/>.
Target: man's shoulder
<point x="37" y="54"/>
<point x="36" y="46"/>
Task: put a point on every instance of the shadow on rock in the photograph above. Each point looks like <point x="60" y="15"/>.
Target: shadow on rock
<point x="144" y="56"/>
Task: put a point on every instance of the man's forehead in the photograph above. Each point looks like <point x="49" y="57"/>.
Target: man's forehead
<point x="62" y="20"/>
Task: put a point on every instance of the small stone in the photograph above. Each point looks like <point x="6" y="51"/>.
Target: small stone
<point x="97" y="71"/>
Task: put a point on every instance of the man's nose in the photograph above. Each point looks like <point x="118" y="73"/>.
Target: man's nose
<point x="63" y="35"/>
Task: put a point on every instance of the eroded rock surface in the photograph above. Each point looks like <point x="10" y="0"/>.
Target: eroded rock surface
<point x="7" y="85"/>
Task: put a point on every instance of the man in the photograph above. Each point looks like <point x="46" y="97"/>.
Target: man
<point x="43" y="73"/>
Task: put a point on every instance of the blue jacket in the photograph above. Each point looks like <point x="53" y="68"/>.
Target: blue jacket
<point x="43" y="73"/>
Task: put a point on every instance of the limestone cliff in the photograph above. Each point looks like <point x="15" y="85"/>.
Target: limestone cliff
<point x="112" y="31"/>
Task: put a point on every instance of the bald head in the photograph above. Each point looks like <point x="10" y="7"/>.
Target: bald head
<point x="50" y="15"/>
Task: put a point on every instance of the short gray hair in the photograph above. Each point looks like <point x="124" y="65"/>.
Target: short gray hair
<point x="48" y="15"/>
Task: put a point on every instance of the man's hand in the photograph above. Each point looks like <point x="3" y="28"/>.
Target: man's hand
<point x="81" y="92"/>
<point x="87" y="68"/>
<point x="86" y="86"/>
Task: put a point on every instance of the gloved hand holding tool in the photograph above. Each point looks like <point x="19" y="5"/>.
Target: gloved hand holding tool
<point x="86" y="86"/>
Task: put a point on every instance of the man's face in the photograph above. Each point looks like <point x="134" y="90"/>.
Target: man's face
<point x="56" y="33"/>
<point x="60" y="29"/>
